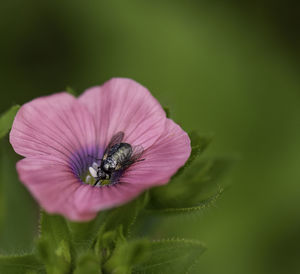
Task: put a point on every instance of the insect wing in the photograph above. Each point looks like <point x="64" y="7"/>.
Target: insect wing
<point x="116" y="139"/>
<point x="137" y="152"/>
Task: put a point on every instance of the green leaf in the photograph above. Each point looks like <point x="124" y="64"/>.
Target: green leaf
<point x="27" y="263"/>
<point x="54" y="244"/>
<point x="127" y="255"/>
<point x="71" y="91"/>
<point x="198" y="144"/>
<point x="167" y="111"/>
<point x="184" y="210"/>
<point x="107" y="242"/>
<point x="126" y="215"/>
<point x="17" y="223"/>
<point x="84" y="233"/>
<point x="54" y="227"/>
<point x="118" y="226"/>
<point x="195" y="186"/>
<point x="174" y="256"/>
<point x="88" y="263"/>
<point x="7" y="119"/>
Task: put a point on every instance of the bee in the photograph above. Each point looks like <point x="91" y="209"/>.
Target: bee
<point x="117" y="158"/>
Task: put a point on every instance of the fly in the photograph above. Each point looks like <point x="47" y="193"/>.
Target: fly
<point x="117" y="158"/>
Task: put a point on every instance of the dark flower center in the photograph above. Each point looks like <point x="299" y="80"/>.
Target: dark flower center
<point x="82" y="160"/>
<point x="85" y="165"/>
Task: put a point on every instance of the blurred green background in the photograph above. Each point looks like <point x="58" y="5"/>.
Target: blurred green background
<point x="229" y="68"/>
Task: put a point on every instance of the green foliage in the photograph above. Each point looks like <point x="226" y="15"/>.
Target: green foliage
<point x="54" y="244"/>
<point x="84" y="233"/>
<point x="170" y="256"/>
<point x="188" y="209"/>
<point x="18" y="211"/>
<point x="195" y="186"/>
<point x="71" y="91"/>
<point x="7" y="119"/>
<point x="54" y="227"/>
<point x="126" y="215"/>
<point x="167" y="111"/>
<point x="109" y="243"/>
<point x="27" y="263"/>
<point x="198" y="144"/>
<point x="117" y="226"/>
<point x="88" y="263"/>
<point x="126" y="255"/>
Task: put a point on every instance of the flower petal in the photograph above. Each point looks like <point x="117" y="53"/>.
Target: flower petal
<point x="90" y="199"/>
<point x="124" y="105"/>
<point x="59" y="133"/>
<point x="162" y="159"/>
<point x="58" y="189"/>
<point x="51" y="183"/>
<point x="55" y="125"/>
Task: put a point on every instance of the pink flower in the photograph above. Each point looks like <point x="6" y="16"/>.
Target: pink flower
<point x="61" y="137"/>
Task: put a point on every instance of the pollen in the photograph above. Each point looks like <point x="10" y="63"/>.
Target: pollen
<point x="93" y="171"/>
<point x="90" y="175"/>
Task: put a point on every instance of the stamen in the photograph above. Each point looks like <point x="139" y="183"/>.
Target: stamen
<point x="95" y="166"/>
<point x="88" y="179"/>
<point x="93" y="172"/>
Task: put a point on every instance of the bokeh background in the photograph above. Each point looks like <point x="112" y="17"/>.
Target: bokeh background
<point x="230" y="68"/>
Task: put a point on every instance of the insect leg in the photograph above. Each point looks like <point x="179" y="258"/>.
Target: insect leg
<point x="141" y="160"/>
<point x="97" y="181"/>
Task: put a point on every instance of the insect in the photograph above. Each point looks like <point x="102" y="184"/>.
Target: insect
<point x="117" y="157"/>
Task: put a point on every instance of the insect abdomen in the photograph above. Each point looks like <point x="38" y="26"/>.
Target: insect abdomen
<point x="123" y="153"/>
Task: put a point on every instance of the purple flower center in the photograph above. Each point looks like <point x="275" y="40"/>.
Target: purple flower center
<point x="85" y="165"/>
<point x="81" y="162"/>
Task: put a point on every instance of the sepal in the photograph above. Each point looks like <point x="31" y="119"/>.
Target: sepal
<point x="6" y="120"/>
